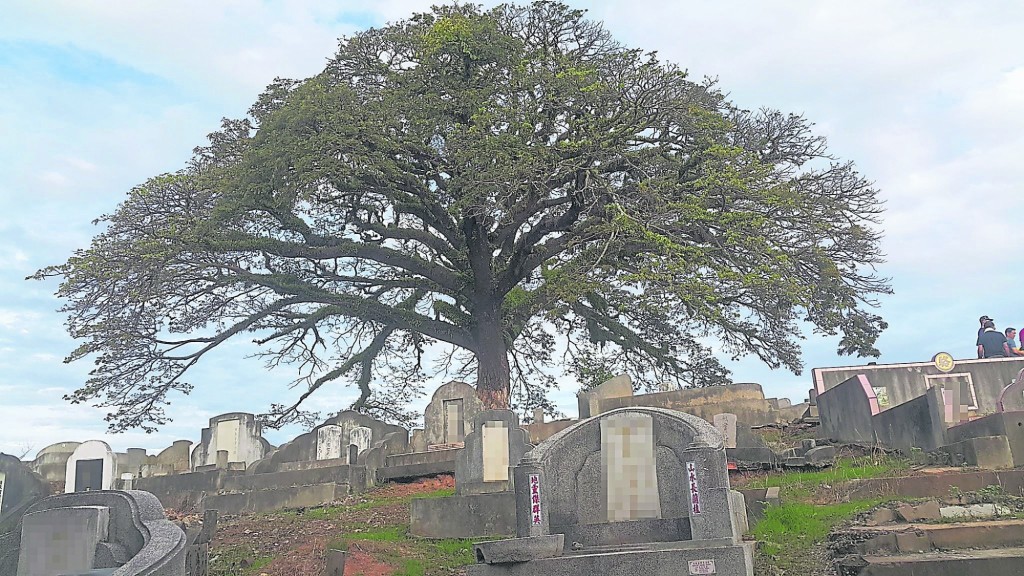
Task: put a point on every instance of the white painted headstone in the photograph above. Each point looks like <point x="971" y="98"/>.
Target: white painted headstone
<point x="91" y="458"/>
<point x="61" y="540"/>
<point x="225" y="437"/>
<point x="726" y="424"/>
<point x="328" y="442"/>
<point x="3" y="477"/>
<point x="360" y="438"/>
<point x="126" y="481"/>
<point x="629" y="467"/>
<point x="494" y="442"/>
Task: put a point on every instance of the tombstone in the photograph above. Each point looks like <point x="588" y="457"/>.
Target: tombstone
<point x="20" y="488"/>
<point x="84" y="531"/>
<point x="238" y="434"/>
<point x="197" y="553"/>
<point x="358" y="438"/>
<point x="126" y="481"/>
<point x="328" y="442"/>
<point x="617" y="387"/>
<point x="633" y="491"/>
<point x="726" y="424"/>
<point x="90" y="467"/>
<point x="496" y="443"/>
<point x="51" y="462"/>
<point x="483" y="503"/>
<point x="1011" y="399"/>
<point x="447" y="418"/>
<point x="538" y="415"/>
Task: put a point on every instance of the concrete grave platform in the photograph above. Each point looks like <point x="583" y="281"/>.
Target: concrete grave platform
<point x="632" y="491"/>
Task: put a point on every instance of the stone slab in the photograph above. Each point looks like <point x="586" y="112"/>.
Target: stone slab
<point x="520" y="549"/>
<point x="464" y="516"/>
<point x="61" y="540"/>
<point x="671" y="560"/>
<point x="977" y="562"/>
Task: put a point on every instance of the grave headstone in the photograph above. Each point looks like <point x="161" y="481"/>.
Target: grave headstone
<point x="19" y="488"/>
<point x="448" y="417"/>
<point x="360" y="437"/>
<point x="1011" y="398"/>
<point x="635" y="491"/>
<point x="497" y="443"/>
<point x="90" y="467"/>
<point x="628" y="467"/>
<point x="726" y="424"/>
<point x="328" y="442"/>
<point x="237" y="433"/>
<point x="84" y="531"/>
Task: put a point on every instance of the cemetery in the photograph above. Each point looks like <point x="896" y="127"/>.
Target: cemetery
<point x="628" y="489"/>
<point x="519" y="196"/>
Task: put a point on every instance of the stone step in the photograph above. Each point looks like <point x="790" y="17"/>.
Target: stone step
<point x="963" y="563"/>
<point x="910" y="538"/>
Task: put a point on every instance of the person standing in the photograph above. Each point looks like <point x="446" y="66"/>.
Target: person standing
<point x="981" y="329"/>
<point x="1011" y="342"/>
<point x="992" y="343"/>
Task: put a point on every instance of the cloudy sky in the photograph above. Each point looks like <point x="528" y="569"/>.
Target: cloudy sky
<point x="98" y="95"/>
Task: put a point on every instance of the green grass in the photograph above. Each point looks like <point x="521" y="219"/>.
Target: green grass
<point x="385" y="534"/>
<point x="331" y="512"/>
<point x="791" y="534"/>
<point x="801" y="485"/>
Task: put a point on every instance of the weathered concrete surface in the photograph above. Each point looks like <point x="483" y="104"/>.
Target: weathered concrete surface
<point x="746" y="401"/>
<point x="917" y="423"/>
<point x="1008" y="424"/>
<point x="936" y="485"/>
<point x="469" y="516"/>
<point x="520" y="549"/>
<point x="669" y="559"/>
<point x="541" y="431"/>
<point x="20" y="487"/>
<point x="418" y="464"/>
<point x="991" y="452"/>
<point x="590" y="401"/>
<point x="1007" y="561"/>
<point x="51" y="462"/>
<point x="275" y="499"/>
<point x="846" y="410"/>
<point x="905" y="382"/>
<point x="438" y="428"/>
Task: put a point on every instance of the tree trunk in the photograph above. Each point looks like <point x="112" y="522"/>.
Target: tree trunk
<point x="492" y="371"/>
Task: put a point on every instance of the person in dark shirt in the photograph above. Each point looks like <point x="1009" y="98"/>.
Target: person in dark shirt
<point x="992" y="343"/>
<point x="981" y="329"/>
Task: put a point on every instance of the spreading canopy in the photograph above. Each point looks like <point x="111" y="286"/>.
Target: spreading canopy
<point x="503" y="192"/>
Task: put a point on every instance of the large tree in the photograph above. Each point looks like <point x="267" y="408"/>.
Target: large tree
<point x="511" y="189"/>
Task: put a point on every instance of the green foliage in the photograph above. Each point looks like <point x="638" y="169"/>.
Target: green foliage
<point x="494" y="183"/>
<point x="802" y="484"/>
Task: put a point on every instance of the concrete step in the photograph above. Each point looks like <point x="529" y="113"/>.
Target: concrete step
<point x="963" y="563"/>
<point x="910" y="538"/>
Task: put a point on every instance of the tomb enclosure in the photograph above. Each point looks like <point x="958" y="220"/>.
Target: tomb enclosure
<point x="121" y="533"/>
<point x="232" y="437"/>
<point x="20" y="488"/>
<point x="92" y="466"/>
<point x="51" y="462"/>
<point x="632" y="491"/>
<point x="978" y="381"/>
<point x="746" y="401"/>
<point x="483" y="504"/>
<point x="447" y="419"/>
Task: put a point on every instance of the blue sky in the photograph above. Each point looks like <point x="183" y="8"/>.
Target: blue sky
<point x="96" y="96"/>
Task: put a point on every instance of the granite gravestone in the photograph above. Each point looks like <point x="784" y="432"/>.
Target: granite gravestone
<point x="447" y="418"/>
<point x="122" y="532"/>
<point x="726" y="424"/>
<point x="678" y="512"/>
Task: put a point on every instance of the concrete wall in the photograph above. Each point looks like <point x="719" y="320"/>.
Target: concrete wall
<point x="918" y="423"/>
<point x="304" y="447"/>
<point x="846" y="410"/>
<point x="1008" y="424"/>
<point x="905" y="382"/>
<point x="589" y="401"/>
<point x="50" y="462"/>
<point x="746" y="401"/>
<point x="470" y="516"/>
<point x="541" y="431"/>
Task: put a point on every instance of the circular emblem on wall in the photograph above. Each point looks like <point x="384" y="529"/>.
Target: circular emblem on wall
<point x="944" y="361"/>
